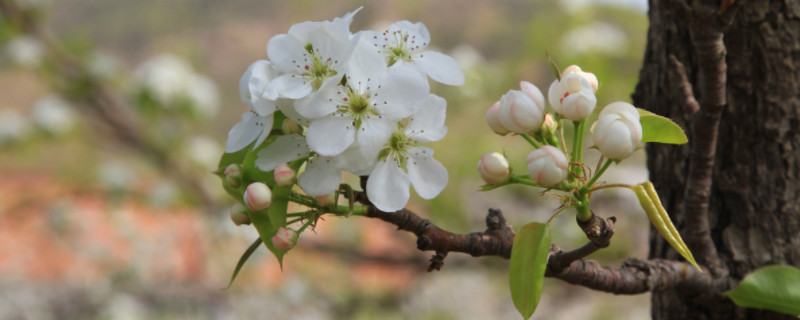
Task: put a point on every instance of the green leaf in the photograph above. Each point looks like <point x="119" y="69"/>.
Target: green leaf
<point x="659" y="129"/>
<point x="774" y="287"/>
<point x="243" y="259"/>
<point x="528" y="264"/>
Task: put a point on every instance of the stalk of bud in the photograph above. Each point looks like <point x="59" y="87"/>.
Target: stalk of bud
<point x="493" y="120"/>
<point x="284" y="175"/>
<point x="258" y="196"/>
<point x="285" y="239"/>
<point x="618" y="131"/>
<point x="233" y="175"/>
<point x="547" y="165"/>
<point x="493" y="168"/>
<point x="239" y="214"/>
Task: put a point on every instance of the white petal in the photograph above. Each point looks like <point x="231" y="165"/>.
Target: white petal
<point x="266" y="126"/>
<point x="402" y="92"/>
<point x="243" y="132"/>
<point x="440" y="67"/>
<point x="554" y="97"/>
<point x="284" y="149"/>
<point x="287" y="107"/>
<point x="331" y="135"/>
<point x="427" y="125"/>
<point x="353" y="160"/>
<point x="320" y="103"/>
<point x="428" y="175"/>
<point x="287" y="86"/>
<point x="387" y="186"/>
<point x="366" y="60"/>
<point x="320" y="178"/>
<point x="373" y="134"/>
<point x="282" y="49"/>
<point x="417" y="31"/>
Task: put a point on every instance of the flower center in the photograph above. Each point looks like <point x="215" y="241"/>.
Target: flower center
<point x="402" y="47"/>
<point x="317" y="68"/>
<point x="397" y="147"/>
<point x="356" y="105"/>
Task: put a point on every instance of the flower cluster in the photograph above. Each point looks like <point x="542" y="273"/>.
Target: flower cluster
<point x="616" y="134"/>
<point x="357" y="102"/>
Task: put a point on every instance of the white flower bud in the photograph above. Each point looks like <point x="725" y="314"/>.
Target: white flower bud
<point x="519" y="111"/>
<point x="590" y="77"/>
<point x="549" y="126"/>
<point x="239" y="214"/>
<point x="547" y="165"/>
<point x="284" y="175"/>
<point x="285" y="239"/>
<point x="493" y="168"/>
<point x="326" y="200"/>
<point x="572" y="97"/>
<point x="493" y="120"/>
<point x="618" y="131"/>
<point x="258" y="196"/>
<point x="233" y="175"/>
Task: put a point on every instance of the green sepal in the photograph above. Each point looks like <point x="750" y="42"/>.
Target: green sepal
<point x="774" y="287"/>
<point x="660" y="129"/>
<point x="528" y="265"/>
<point x="246" y="255"/>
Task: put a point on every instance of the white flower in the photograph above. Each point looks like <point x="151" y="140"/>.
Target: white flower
<point x="493" y="168"/>
<point x="53" y="114"/>
<point x="572" y="97"/>
<point x="310" y="55"/>
<point x="522" y="111"/>
<point x="618" y="131"/>
<point x="257" y="122"/>
<point x="403" y="45"/>
<point x="547" y="165"/>
<point x="403" y="164"/>
<point x="13" y="126"/>
<point x="365" y="112"/>
<point x="203" y="151"/>
<point x="322" y="174"/>
<point x="26" y="51"/>
<point x="171" y="79"/>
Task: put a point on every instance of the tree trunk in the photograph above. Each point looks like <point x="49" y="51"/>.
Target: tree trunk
<point x="754" y="209"/>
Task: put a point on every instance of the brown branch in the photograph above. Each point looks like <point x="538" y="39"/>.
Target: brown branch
<point x="685" y="86"/>
<point x="105" y="104"/>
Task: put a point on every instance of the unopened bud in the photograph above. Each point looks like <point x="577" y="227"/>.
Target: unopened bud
<point x="326" y="200"/>
<point x="617" y="132"/>
<point x="239" y="214"/>
<point x="257" y="197"/>
<point x="520" y="112"/>
<point x="572" y="97"/>
<point x="233" y="175"/>
<point x="284" y="175"/>
<point x="493" y="120"/>
<point x="285" y="239"/>
<point x="590" y="77"/>
<point x="549" y="126"/>
<point x="547" y="165"/>
<point x="291" y="127"/>
<point x="493" y="168"/>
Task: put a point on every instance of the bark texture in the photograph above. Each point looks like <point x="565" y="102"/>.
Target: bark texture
<point x="754" y="207"/>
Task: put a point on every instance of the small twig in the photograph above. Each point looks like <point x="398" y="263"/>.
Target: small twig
<point x="685" y="86"/>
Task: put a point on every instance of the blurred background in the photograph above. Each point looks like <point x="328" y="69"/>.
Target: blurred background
<point x="104" y="217"/>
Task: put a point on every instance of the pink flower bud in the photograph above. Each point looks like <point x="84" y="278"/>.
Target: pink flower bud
<point x="549" y="126"/>
<point x="239" y="214"/>
<point x="519" y="112"/>
<point x="493" y="120"/>
<point x="617" y="132"/>
<point x="284" y="175"/>
<point x="233" y="175"/>
<point x="285" y="239"/>
<point x="257" y="197"/>
<point x="572" y="97"/>
<point x="547" y="165"/>
<point x="590" y="77"/>
<point x="493" y="168"/>
<point x="326" y="200"/>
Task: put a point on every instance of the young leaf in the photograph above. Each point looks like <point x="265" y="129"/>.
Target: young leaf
<point x="528" y="264"/>
<point x="774" y="287"/>
<point x="243" y="259"/>
<point x="656" y="128"/>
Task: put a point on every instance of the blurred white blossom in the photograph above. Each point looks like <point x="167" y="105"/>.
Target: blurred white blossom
<point x="171" y="79"/>
<point x="25" y="51"/>
<point x="598" y="37"/>
<point x="116" y="174"/>
<point x="204" y="151"/>
<point x="53" y="114"/>
<point x="13" y="126"/>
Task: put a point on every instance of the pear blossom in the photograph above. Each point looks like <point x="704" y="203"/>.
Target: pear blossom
<point x="493" y="120"/>
<point x="284" y="175"/>
<point x="403" y="45"/>
<point x="493" y="168"/>
<point x="257" y="196"/>
<point x="572" y="97"/>
<point x="53" y="114"/>
<point x="618" y="131"/>
<point x="257" y="122"/>
<point x="547" y="165"/>
<point x="364" y="112"/>
<point x="310" y="55"/>
<point x="403" y="164"/>
<point x="586" y="75"/>
<point x="522" y="111"/>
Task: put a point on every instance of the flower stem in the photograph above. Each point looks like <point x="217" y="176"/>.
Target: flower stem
<point x="599" y="173"/>
<point x="563" y="142"/>
<point x="577" y="147"/>
<point x="531" y="140"/>
<point x="558" y="213"/>
<point x="609" y="186"/>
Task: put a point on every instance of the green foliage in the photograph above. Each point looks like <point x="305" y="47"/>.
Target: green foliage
<point x="246" y="255"/>
<point x="528" y="264"/>
<point x="774" y="287"/>
<point x="660" y="129"/>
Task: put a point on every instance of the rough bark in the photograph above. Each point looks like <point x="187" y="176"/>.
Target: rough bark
<point x="754" y="210"/>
